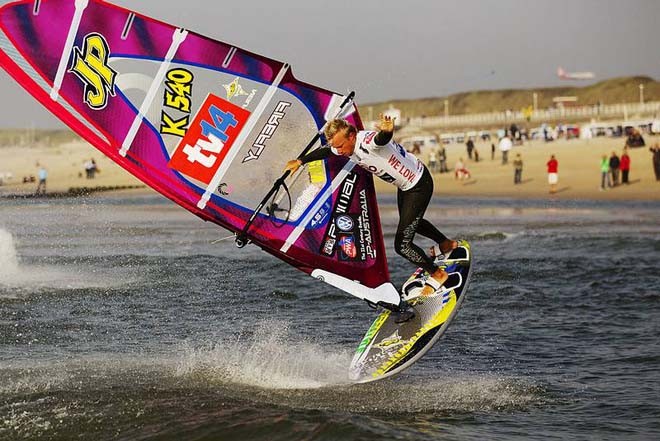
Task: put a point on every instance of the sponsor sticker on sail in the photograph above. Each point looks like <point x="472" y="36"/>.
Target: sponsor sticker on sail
<point x="210" y="136"/>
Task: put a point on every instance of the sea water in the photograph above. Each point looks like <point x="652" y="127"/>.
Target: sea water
<point x="119" y="319"/>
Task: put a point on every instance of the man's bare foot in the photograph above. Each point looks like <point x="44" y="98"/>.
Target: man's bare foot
<point x="445" y="247"/>
<point x="439" y="277"/>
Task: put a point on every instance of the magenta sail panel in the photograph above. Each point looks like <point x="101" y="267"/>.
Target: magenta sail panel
<point x="205" y="123"/>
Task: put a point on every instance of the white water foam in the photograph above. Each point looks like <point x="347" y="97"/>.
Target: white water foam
<point x="18" y="276"/>
<point x="465" y="392"/>
<point x="308" y="375"/>
<point x="270" y="359"/>
<point x="273" y="359"/>
<point x="277" y="371"/>
<point x="8" y="258"/>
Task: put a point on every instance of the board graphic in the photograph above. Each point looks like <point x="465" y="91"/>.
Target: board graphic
<point x="388" y="348"/>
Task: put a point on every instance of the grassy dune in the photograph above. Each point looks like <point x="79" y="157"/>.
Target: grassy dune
<point x="616" y="90"/>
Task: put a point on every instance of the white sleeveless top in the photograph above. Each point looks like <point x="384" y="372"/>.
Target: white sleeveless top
<point x="390" y="162"/>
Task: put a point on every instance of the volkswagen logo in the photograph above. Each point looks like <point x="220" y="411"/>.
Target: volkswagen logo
<point x="345" y="223"/>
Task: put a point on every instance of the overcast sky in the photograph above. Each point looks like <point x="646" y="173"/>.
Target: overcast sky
<point x="391" y="49"/>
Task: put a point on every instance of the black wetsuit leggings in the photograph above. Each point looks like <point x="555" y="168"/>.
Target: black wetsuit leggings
<point x="412" y="205"/>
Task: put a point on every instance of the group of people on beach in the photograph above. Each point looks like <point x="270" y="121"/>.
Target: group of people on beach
<point x="611" y="166"/>
<point x="614" y="169"/>
<point x="91" y="168"/>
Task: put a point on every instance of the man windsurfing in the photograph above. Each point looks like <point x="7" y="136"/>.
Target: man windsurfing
<point x="377" y="152"/>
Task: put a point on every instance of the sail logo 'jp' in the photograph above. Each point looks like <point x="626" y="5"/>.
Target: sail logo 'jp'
<point x="90" y="64"/>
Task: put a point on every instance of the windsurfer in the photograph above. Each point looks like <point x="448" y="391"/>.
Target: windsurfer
<point x="378" y="153"/>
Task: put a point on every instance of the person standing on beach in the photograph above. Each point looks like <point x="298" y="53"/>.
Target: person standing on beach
<point x="442" y="157"/>
<point x="656" y="159"/>
<point x="614" y="169"/>
<point x="605" y="181"/>
<point x="505" y="146"/>
<point x="553" y="173"/>
<point x="433" y="161"/>
<point x="90" y="169"/>
<point x="378" y="153"/>
<point x="469" y="146"/>
<point x="517" y="169"/>
<point x="43" y="175"/>
<point x="624" y="166"/>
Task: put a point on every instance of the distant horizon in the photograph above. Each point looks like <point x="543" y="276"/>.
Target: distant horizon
<point x="574" y="85"/>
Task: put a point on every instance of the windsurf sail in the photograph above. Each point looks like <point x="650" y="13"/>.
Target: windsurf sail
<point x="208" y="125"/>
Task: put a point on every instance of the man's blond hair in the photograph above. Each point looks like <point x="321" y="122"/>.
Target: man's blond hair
<point x="337" y="125"/>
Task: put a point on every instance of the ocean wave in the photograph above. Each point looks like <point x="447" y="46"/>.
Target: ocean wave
<point x="272" y="366"/>
<point x="492" y="235"/>
<point x="269" y="366"/>
<point x="139" y="399"/>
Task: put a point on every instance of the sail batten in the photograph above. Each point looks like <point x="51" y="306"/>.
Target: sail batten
<point x="178" y="37"/>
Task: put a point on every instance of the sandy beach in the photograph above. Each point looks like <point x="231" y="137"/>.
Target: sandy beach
<point x="65" y="164"/>
<point x="579" y="170"/>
